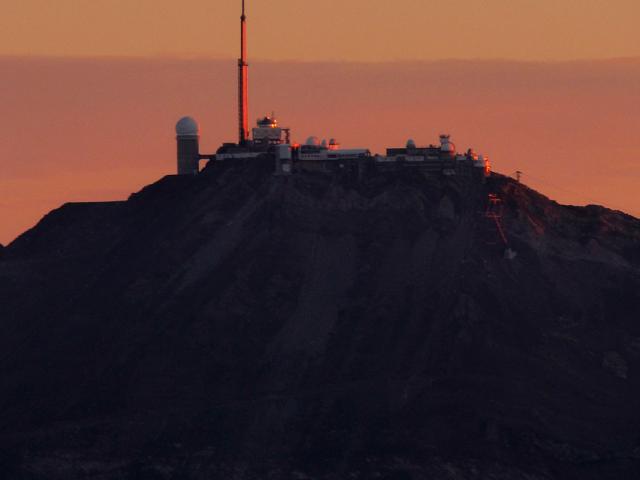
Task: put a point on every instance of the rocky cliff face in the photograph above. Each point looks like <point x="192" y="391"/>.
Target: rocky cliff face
<point x="241" y="325"/>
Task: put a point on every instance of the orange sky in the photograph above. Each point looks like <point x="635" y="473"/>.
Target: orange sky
<point x="367" y="30"/>
<point x="96" y="128"/>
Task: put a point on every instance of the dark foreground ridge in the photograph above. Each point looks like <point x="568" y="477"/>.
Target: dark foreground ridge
<point x="239" y="325"/>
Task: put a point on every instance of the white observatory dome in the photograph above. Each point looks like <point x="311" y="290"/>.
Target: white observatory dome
<point x="446" y="145"/>
<point x="411" y="143"/>
<point x="187" y="127"/>
<point x="313" y="141"/>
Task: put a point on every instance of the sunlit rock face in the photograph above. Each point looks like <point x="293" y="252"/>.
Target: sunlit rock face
<point x="241" y="325"/>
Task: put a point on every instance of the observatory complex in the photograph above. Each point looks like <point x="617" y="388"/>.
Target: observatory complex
<point x="270" y="142"/>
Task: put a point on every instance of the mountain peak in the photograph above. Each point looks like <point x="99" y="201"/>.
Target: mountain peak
<point x="313" y="324"/>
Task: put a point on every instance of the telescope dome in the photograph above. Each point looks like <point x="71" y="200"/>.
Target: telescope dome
<point x="187" y="127"/>
<point x="446" y="146"/>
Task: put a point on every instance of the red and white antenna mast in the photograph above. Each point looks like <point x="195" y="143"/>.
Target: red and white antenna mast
<point x="243" y="80"/>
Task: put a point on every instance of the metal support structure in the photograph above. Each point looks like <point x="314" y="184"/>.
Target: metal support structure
<point x="243" y="83"/>
<point x="494" y="211"/>
<point x="518" y="176"/>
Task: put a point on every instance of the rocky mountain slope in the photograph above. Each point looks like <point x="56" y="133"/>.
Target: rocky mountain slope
<point x="239" y="325"/>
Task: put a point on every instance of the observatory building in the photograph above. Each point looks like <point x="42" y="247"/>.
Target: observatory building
<point x="270" y="142"/>
<point x="188" y="138"/>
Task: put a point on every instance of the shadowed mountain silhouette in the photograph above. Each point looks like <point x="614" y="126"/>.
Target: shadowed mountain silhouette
<point x="241" y="325"/>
